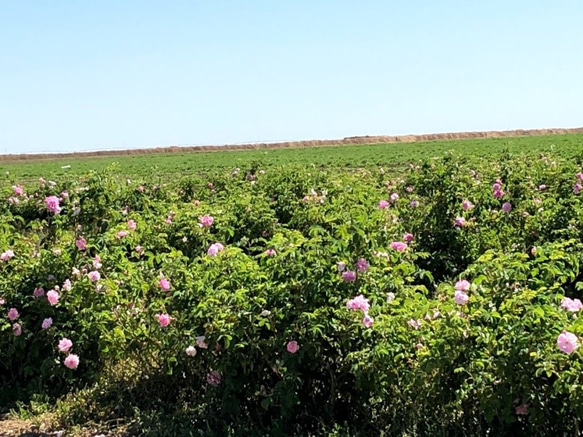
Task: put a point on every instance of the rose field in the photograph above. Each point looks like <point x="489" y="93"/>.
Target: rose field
<point x="431" y="295"/>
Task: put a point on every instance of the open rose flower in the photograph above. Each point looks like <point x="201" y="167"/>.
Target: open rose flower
<point x="163" y="319"/>
<point x="52" y="204"/>
<point x="292" y="347"/>
<point x="72" y="361"/>
<point x="567" y="342"/>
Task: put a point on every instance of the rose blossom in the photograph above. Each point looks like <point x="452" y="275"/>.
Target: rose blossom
<point x="164" y="284"/>
<point x="191" y="351"/>
<point x="52" y="204"/>
<point x="462" y="285"/>
<point x="72" y="361"/>
<point x="383" y="204"/>
<point x="567" y="342"/>
<point x="461" y="298"/>
<point x="163" y="319"/>
<point x="292" y="347"/>
<point x="47" y="323"/>
<point x="398" y="246"/>
<point x="206" y="221"/>
<point x="53" y="297"/>
<point x="362" y="265"/>
<point x="572" y="305"/>
<point x="214" y="249"/>
<point x="13" y="314"/>
<point x="16" y="329"/>
<point x="65" y="345"/>
<point x="358" y="303"/>
<point x="94" y="276"/>
<point x="367" y="321"/>
<point x="81" y="243"/>
<point x="349" y="276"/>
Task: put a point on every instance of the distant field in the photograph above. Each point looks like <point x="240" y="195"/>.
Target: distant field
<point x="394" y="154"/>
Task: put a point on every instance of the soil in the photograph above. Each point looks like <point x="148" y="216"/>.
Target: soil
<point x="313" y="143"/>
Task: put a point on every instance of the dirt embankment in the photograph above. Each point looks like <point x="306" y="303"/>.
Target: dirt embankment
<point x="310" y="143"/>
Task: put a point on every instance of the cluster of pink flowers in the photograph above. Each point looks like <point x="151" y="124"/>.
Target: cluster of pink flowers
<point x="52" y="203"/>
<point x="572" y="305"/>
<point x="360" y="303"/>
<point x="497" y="191"/>
<point x="6" y="255"/>
<point x="71" y="360"/>
<point x="215" y="248"/>
<point x="206" y="221"/>
<point x="460" y="296"/>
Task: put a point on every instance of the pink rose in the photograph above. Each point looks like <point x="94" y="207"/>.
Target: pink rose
<point x="367" y="321"/>
<point x="362" y="265"/>
<point x="462" y="285"/>
<point x="52" y="204"/>
<point x="53" y="297"/>
<point x="81" y="243"/>
<point x="522" y="409"/>
<point x="407" y="238"/>
<point x="121" y="234"/>
<point x="292" y="347"/>
<point x="38" y="292"/>
<point x="466" y="205"/>
<point x="16" y="329"/>
<point x="94" y="276"/>
<point x="72" y="361"/>
<point x="506" y="207"/>
<point x="358" y="303"/>
<point x="132" y="225"/>
<point x="567" y="342"/>
<point x="164" y="284"/>
<point x="17" y="190"/>
<point x="383" y="204"/>
<point x="215" y="248"/>
<point x="5" y="256"/>
<point x="65" y="345"/>
<point x="47" y="323"/>
<point x="460" y="222"/>
<point x="349" y="276"/>
<point x="206" y="221"/>
<point x="572" y="305"/>
<point x="393" y="197"/>
<point x="461" y="298"/>
<point x="13" y="314"/>
<point x="270" y="252"/>
<point x="163" y="319"/>
<point x="398" y="246"/>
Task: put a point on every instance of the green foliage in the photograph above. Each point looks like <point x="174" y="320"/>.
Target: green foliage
<point x="427" y="366"/>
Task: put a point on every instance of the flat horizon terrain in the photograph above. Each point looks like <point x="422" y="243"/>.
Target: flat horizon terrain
<point x="396" y="154"/>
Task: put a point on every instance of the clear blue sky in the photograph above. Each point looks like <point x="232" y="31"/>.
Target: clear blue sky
<point x="85" y="75"/>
